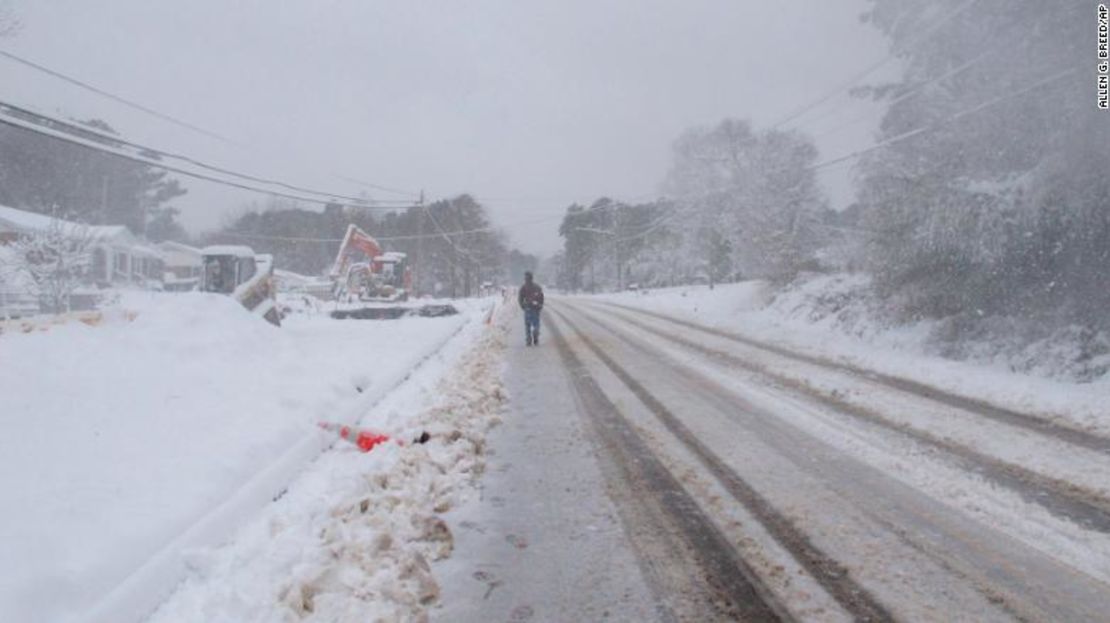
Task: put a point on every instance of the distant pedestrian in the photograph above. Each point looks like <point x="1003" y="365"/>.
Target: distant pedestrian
<point x="530" y="298"/>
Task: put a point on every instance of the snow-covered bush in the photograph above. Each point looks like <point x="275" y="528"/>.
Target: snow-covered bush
<point x="56" y="258"/>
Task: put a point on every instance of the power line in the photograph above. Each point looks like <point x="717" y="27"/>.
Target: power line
<point x="970" y="111"/>
<point x="564" y="199"/>
<point x="438" y="234"/>
<point x="9" y="109"/>
<point x="175" y="121"/>
<point x="435" y="223"/>
<point x="410" y="193"/>
<point x="116" y="98"/>
<point x="848" y="84"/>
<point x="914" y="91"/>
<point x="89" y="144"/>
<point x="659" y="222"/>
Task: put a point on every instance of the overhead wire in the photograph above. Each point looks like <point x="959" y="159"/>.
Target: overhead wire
<point x="1009" y="96"/>
<point x="181" y="123"/>
<point x="8" y="109"/>
<point x="116" y="98"/>
<point x="438" y="234"/>
<point x="435" y="223"/>
<point x="388" y="189"/>
<point x="913" y="91"/>
<point x="357" y="202"/>
<point x="855" y="78"/>
<point x="68" y="137"/>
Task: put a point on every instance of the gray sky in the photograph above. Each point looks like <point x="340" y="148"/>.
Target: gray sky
<point x="526" y="105"/>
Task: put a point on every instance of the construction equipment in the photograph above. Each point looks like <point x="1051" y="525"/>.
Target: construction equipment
<point x="247" y="277"/>
<point x="362" y="271"/>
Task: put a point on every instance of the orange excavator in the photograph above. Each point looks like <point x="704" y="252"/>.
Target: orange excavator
<point x="362" y="271"/>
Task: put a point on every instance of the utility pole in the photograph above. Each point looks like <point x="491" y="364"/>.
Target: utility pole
<point x="104" y="198"/>
<point x="418" y="269"/>
<point x="617" y="249"/>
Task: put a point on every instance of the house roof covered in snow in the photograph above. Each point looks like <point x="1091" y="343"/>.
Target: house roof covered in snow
<point x="178" y="254"/>
<point x="228" y="249"/>
<point x="170" y="245"/>
<point x="23" y="221"/>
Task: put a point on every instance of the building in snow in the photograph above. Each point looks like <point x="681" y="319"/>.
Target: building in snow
<point x="181" y="266"/>
<point x="118" y="258"/>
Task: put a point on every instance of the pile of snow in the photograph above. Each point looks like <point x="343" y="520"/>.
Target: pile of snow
<point x="353" y="537"/>
<point x="839" y="318"/>
<point x="128" y="441"/>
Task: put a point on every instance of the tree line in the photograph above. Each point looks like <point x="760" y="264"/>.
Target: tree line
<point x="451" y="244"/>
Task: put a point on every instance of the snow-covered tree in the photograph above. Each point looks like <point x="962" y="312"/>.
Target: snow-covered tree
<point x="57" y="258"/>
<point x="752" y="192"/>
<point x="991" y="195"/>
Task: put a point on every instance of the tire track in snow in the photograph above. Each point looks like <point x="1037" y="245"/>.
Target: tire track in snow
<point x="982" y="408"/>
<point x="1060" y="497"/>
<point x="725" y="573"/>
<point x="829" y="573"/>
<point x="1020" y="583"/>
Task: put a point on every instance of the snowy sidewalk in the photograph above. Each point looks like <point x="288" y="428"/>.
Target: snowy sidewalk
<point x="543" y="542"/>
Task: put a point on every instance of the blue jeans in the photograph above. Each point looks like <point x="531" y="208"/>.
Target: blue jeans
<point x="531" y="324"/>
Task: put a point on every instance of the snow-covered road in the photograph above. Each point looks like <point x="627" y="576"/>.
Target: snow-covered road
<point x="750" y="483"/>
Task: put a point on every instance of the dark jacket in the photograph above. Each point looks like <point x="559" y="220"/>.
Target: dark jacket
<point x="530" y="296"/>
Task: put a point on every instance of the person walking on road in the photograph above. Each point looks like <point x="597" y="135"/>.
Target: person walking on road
<point x="530" y="298"/>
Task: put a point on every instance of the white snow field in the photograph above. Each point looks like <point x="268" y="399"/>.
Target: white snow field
<point x="791" y="320"/>
<point x="130" y="443"/>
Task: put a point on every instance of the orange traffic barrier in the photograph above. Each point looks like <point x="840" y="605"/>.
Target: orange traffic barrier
<point x="364" y="438"/>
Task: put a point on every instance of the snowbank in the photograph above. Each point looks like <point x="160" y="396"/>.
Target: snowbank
<point x="352" y="539"/>
<point x="836" y="317"/>
<point x="124" y="437"/>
